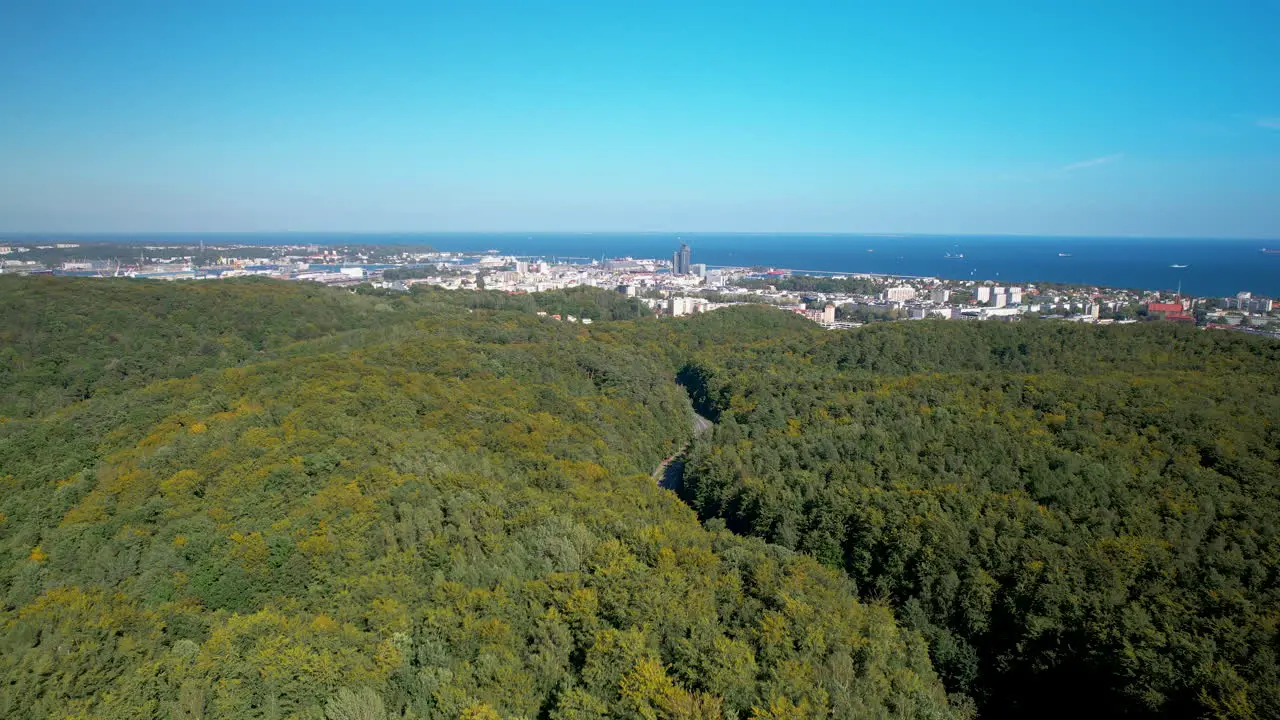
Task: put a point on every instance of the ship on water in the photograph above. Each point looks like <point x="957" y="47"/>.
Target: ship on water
<point x="1269" y="251"/>
<point x="1064" y="254"/>
<point x="954" y="256"/>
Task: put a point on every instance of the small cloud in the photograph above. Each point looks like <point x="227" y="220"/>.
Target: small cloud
<point x="1272" y="123"/>
<point x="1090" y="163"/>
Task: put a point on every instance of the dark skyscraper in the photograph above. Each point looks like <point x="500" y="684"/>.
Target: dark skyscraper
<point x="680" y="260"/>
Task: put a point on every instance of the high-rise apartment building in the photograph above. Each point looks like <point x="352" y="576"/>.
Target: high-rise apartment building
<point x="680" y="260"/>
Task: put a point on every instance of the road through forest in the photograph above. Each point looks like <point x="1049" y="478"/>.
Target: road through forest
<point x="670" y="472"/>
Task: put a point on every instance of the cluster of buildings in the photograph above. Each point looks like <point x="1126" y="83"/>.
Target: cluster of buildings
<point x="998" y="296"/>
<point x="20" y="249"/>
<point x="673" y="288"/>
<point x="929" y="297"/>
<point x="825" y="315"/>
<point x="670" y="288"/>
<point x="1246" y="302"/>
<point x="678" y="305"/>
<point x="328" y="265"/>
<point x="15" y="258"/>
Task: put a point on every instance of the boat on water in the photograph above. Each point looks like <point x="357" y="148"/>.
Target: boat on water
<point x="954" y="256"/>
<point x="1064" y="254"/>
<point x="1269" y="251"/>
<point x="1179" y="267"/>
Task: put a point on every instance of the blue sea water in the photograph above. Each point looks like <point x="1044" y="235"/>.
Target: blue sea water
<point x="1214" y="267"/>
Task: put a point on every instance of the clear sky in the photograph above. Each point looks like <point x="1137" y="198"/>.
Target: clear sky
<point x="1111" y="117"/>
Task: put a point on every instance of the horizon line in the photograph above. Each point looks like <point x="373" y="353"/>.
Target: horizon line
<point x="51" y="234"/>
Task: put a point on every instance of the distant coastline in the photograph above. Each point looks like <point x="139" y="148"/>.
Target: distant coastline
<point x="1214" y="267"/>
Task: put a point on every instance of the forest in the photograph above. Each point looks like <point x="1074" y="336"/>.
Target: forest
<point x="1077" y="519"/>
<point x="580" y="302"/>
<point x="254" y="499"/>
<point x="259" y="499"/>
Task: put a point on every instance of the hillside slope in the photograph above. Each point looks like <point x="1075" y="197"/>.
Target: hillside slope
<point x="452" y="519"/>
<point x="63" y="340"/>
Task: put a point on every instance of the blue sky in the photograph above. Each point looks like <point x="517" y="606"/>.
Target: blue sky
<point x="1109" y="118"/>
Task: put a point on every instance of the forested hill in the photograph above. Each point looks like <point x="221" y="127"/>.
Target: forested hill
<point x="1080" y="520"/>
<point x="66" y="339"/>
<point x="371" y="507"/>
<point x="261" y="499"/>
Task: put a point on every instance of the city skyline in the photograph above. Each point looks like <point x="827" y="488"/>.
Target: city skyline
<point x="995" y="119"/>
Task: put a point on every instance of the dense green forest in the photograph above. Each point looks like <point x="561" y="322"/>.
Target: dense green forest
<point x="259" y="499"/>
<point x="580" y="302"/>
<point x="66" y="339"/>
<point x="1080" y="520"/>
<point x="264" y="499"/>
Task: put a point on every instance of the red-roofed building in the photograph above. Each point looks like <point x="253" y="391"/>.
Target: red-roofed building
<point x="1174" y="311"/>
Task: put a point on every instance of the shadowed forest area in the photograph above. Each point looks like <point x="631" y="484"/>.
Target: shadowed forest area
<point x="1077" y="519"/>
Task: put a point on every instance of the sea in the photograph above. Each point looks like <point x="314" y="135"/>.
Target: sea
<point x="1199" y="267"/>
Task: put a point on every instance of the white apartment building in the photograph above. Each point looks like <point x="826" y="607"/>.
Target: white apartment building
<point x="899" y="294"/>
